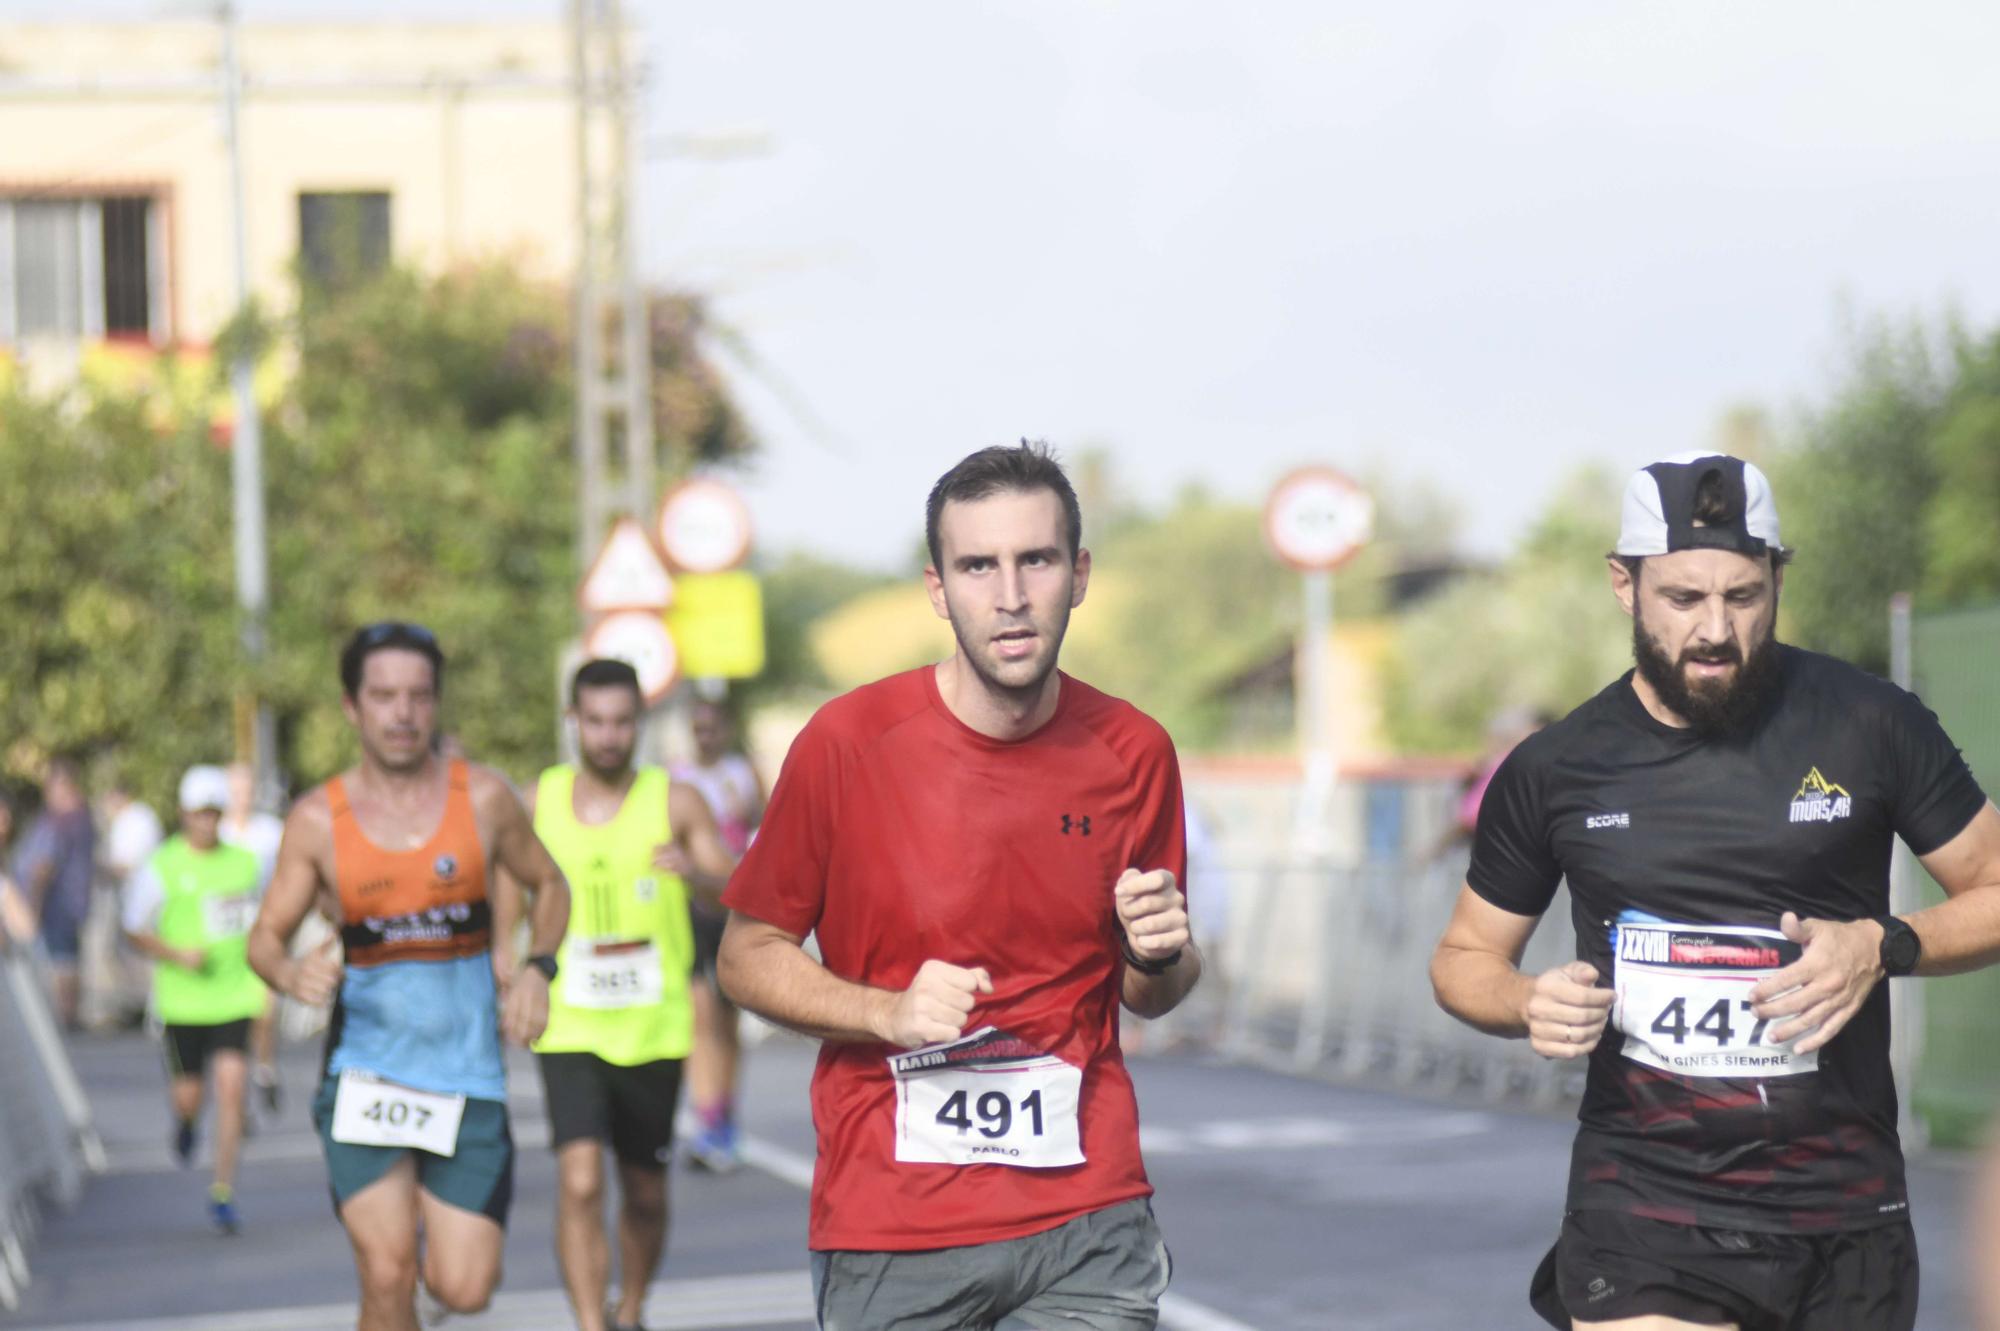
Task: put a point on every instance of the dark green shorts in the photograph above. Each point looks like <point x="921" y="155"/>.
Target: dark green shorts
<point x="478" y="1177"/>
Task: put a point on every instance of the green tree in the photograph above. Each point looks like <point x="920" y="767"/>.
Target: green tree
<point x="1854" y="484"/>
<point x="418" y="465"/>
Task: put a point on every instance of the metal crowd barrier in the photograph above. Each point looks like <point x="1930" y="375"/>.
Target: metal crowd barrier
<point x="47" y="1141"/>
<point x="1327" y="968"/>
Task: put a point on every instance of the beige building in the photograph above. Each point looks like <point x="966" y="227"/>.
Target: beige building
<point x="425" y="143"/>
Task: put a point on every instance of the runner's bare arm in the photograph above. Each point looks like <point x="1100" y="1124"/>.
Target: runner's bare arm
<point x="524" y="1012"/>
<point x="294" y="886"/>
<point x="765" y="969"/>
<point x="696" y="853"/>
<point x="1824" y="988"/>
<point x="1153" y="913"/>
<point x="507" y="898"/>
<point x="1476" y="975"/>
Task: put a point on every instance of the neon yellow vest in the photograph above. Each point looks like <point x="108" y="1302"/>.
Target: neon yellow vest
<point x="616" y="895"/>
<point x="209" y="899"/>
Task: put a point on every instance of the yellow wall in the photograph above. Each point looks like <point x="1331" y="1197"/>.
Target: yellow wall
<point x="473" y="173"/>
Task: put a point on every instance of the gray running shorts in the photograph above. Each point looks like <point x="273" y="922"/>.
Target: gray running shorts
<point x="1104" y="1271"/>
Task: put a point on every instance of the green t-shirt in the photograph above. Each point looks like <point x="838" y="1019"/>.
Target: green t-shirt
<point x="208" y="900"/>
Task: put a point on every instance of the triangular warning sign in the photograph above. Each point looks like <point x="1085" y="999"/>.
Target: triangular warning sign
<point x="626" y="575"/>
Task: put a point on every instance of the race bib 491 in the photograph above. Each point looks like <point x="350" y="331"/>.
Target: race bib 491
<point x="986" y="1099"/>
<point x="1682" y="999"/>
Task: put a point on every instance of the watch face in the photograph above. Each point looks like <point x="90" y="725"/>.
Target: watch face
<point x="1899" y="950"/>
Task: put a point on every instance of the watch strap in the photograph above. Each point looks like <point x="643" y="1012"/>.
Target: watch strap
<point x="544" y="962"/>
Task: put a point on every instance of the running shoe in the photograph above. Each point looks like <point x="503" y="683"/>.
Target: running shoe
<point x="265" y="1078"/>
<point x="184" y="1142"/>
<point x="713" y="1148"/>
<point x="222" y="1210"/>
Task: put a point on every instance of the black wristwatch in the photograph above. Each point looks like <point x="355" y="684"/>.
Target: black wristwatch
<point x="544" y="962"/>
<point x="1900" y="946"/>
<point x="1144" y="967"/>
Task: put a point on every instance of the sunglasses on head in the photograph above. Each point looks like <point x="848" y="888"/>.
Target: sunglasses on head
<point x="395" y="630"/>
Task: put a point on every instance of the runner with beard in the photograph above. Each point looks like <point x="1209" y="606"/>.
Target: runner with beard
<point x="621" y="1019"/>
<point x="990" y="853"/>
<point x="1724" y="816"/>
<point x="412" y="1106"/>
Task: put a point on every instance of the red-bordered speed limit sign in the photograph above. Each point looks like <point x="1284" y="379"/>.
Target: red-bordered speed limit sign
<point x="1317" y="519"/>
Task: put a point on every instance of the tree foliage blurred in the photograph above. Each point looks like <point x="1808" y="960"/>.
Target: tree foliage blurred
<point x="418" y="465"/>
<point x="1541" y="631"/>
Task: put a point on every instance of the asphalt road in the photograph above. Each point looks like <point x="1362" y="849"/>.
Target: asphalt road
<point x="1290" y="1205"/>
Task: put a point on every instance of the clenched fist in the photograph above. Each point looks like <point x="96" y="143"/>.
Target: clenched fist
<point x="935" y="1006"/>
<point x="1565" y="1013"/>
<point x="1152" y="912"/>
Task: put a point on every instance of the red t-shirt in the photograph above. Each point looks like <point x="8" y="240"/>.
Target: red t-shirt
<point x="900" y="834"/>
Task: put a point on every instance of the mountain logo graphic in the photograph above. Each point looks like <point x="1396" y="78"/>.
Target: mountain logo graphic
<point x="1820" y="800"/>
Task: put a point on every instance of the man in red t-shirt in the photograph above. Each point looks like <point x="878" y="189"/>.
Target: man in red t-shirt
<point x="990" y="853"/>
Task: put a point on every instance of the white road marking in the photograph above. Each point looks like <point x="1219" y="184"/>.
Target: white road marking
<point x="773" y="1298"/>
<point x="1301" y="1133"/>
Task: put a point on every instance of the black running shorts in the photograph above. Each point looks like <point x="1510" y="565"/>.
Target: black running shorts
<point x="630" y="1108"/>
<point x="1607" y="1266"/>
<point x="190" y="1047"/>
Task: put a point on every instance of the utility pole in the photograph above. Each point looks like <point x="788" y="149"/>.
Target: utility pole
<point x="256" y="735"/>
<point x="609" y="394"/>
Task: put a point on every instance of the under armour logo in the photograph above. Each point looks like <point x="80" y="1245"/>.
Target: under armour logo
<point x="1080" y="824"/>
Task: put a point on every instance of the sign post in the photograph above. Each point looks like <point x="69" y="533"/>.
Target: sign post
<point x="1315" y="520"/>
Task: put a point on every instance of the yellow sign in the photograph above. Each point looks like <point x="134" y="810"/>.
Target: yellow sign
<point x="717" y="621"/>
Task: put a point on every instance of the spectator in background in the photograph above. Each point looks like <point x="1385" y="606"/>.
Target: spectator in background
<point x="1508" y="728"/>
<point x="729" y="782"/>
<point x="250" y="828"/>
<point x="115" y="982"/>
<point x="17" y="922"/>
<point x="57" y="862"/>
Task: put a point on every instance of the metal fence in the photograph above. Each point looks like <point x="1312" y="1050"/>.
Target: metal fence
<point x="1327" y="968"/>
<point x="47" y="1143"/>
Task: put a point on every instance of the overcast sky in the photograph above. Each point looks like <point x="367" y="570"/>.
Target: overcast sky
<point x="1475" y="246"/>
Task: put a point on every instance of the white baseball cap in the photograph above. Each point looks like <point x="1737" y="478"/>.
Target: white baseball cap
<point x="204" y="787"/>
<point x="1658" y="516"/>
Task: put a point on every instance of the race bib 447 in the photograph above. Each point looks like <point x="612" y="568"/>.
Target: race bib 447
<point x="986" y="1099"/>
<point x="1682" y="999"/>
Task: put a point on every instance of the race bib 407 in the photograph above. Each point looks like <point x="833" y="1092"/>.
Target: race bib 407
<point x="1682" y="999"/>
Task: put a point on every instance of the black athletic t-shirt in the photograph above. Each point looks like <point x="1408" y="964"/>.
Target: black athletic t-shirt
<point x="1652" y="823"/>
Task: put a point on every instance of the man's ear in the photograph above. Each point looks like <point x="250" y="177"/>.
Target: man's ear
<point x="934" y="585"/>
<point x="1082" y="578"/>
<point x="1624" y="581"/>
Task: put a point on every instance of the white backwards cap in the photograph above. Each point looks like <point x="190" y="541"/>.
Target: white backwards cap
<point x="1658" y="516"/>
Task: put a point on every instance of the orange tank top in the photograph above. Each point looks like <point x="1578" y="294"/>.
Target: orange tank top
<point x="427" y="904"/>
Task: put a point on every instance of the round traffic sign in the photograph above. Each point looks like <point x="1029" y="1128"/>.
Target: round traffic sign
<point x="1317" y="519"/>
<point x="704" y="526"/>
<point x="641" y="640"/>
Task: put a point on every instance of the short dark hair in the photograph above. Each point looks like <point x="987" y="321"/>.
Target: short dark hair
<point x="388" y="635"/>
<point x="605" y="673"/>
<point x="1020" y="468"/>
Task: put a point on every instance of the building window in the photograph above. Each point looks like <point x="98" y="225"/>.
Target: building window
<point x="81" y="268"/>
<point x="343" y="238"/>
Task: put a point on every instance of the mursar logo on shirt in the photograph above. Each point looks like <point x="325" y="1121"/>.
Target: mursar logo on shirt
<point x="1820" y="801"/>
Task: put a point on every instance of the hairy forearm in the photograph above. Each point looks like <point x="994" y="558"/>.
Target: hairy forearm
<point x="1156" y="995"/>
<point x="266" y="953"/>
<point x="548" y="918"/>
<point x="1482" y="990"/>
<point x="1959" y="935"/>
<point x="773" y="977"/>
